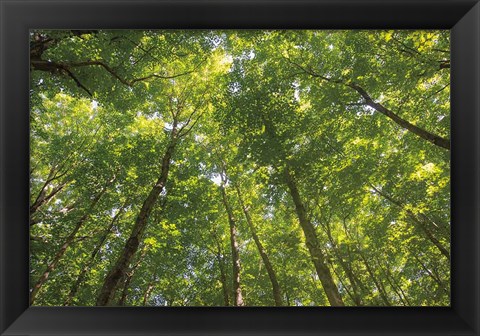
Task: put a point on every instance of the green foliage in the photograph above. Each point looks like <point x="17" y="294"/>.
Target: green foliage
<point x="249" y="105"/>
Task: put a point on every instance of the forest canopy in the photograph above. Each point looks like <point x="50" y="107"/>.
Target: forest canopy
<point x="239" y="168"/>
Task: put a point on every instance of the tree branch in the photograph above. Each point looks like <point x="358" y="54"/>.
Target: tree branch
<point x="430" y="137"/>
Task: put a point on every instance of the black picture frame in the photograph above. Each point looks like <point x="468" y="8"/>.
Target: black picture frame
<point x="18" y="16"/>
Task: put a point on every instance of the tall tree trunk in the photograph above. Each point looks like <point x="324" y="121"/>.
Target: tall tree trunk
<point x="126" y="285"/>
<point x="346" y="268"/>
<point x="58" y="256"/>
<point x="149" y="290"/>
<point x="378" y="284"/>
<point x="313" y="244"/>
<point x="131" y="246"/>
<point x="277" y="294"/>
<point x="127" y="278"/>
<point x="422" y="225"/>
<point x="237" y="289"/>
<point x="385" y="268"/>
<point x="223" y="274"/>
<point x="434" y="276"/>
<point x="88" y="265"/>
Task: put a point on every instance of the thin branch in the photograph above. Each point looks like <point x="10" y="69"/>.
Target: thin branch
<point x="77" y="81"/>
<point x="123" y="80"/>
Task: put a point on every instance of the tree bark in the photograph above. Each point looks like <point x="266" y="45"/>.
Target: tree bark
<point x="277" y="294"/>
<point x="58" y="256"/>
<point x="133" y="242"/>
<point x="126" y="285"/>
<point x="434" y="276"/>
<point x="378" y="284"/>
<point x="127" y="279"/>
<point x="237" y="289"/>
<point x="223" y="274"/>
<point x="424" y="134"/>
<point x="356" y="297"/>
<point x="88" y="265"/>
<point x="149" y="290"/>
<point x="313" y="244"/>
<point x="420" y="224"/>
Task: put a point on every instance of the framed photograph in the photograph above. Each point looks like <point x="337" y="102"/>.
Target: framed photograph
<point x="236" y="167"/>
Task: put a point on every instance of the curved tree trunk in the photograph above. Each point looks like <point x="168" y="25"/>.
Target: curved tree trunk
<point x="313" y="245"/>
<point x="58" y="256"/>
<point x="331" y="290"/>
<point x="88" y="265"/>
<point x="277" y="294"/>
<point x="237" y="289"/>
<point x="223" y="274"/>
<point x="133" y="242"/>
<point x="127" y="278"/>
<point x="355" y="295"/>
<point x="420" y="224"/>
<point x="424" y="134"/>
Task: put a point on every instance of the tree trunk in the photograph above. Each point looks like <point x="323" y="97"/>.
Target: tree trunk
<point x="81" y="277"/>
<point x="237" y="290"/>
<point x="430" y="137"/>
<point x="127" y="279"/>
<point x="223" y="280"/>
<point x="356" y="297"/>
<point x="149" y="290"/>
<point x="277" y="294"/>
<point x="223" y="275"/>
<point x="126" y="285"/>
<point x="420" y="224"/>
<point x="378" y="284"/>
<point x="58" y="256"/>
<point x="313" y="245"/>
<point x="434" y="276"/>
<point x="131" y="246"/>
